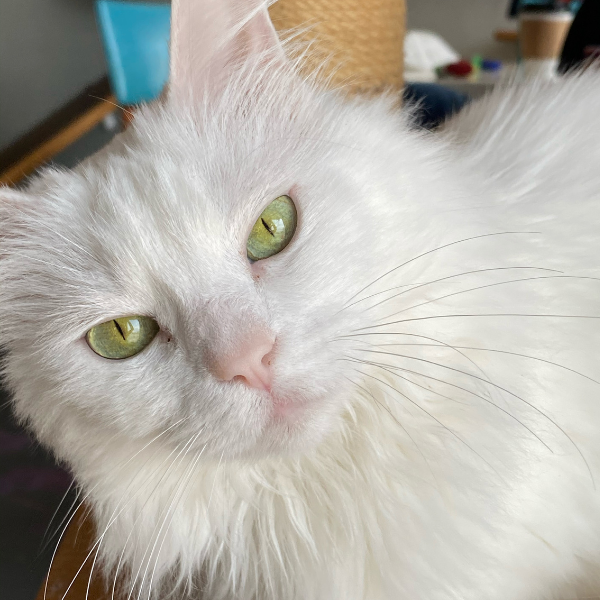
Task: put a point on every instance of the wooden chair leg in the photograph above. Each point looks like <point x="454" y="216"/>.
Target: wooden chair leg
<point x="58" y="131"/>
<point x="71" y="567"/>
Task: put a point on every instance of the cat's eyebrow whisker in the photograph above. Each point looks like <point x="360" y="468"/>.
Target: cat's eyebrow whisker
<point x="482" y="287"/>
<point x="381" y="405"/>
<point x="535" y="408"/>
<point x="115" y="104"/>
<point x="476" y="237"/>
<point x="453" y="433"/>
<point x="418" y="285"/>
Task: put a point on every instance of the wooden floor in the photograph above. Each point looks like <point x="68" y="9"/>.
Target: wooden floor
<point x="69" y="576"/>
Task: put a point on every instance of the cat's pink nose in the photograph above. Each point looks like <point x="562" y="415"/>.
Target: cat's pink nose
<point x="250" y="364"/>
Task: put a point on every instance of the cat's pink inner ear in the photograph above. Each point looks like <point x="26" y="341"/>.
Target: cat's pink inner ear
<point x="210" y="37"/>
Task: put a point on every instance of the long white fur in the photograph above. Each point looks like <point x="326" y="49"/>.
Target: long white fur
<point x="476" y="477"/>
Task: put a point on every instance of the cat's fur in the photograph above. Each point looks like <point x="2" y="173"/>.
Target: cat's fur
<point x="425" y="460"/>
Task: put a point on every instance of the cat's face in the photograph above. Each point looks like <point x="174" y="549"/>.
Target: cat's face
<point x="250" y="357"/>
<point x="158" y="225"/>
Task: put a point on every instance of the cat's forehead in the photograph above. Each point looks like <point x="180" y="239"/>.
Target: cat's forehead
<point x="171" y="202"/>
<point x="167" y="203"/>
<point x="221" y="160"/>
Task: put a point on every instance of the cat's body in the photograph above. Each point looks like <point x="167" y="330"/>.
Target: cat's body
<point x="437" y="440"/>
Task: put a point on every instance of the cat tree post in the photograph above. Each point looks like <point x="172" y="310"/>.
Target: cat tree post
<point x="360" y="41"/>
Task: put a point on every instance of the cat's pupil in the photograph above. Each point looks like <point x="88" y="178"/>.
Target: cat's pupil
<point x="267" y="227"/>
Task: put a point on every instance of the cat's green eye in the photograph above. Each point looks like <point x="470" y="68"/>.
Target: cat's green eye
<point x="122" y="337"/>
<point x="273" y="230"/>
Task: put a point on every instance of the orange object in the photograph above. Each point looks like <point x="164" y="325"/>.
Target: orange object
<point x="72" y="555"/>
<point x="506" y="35"/>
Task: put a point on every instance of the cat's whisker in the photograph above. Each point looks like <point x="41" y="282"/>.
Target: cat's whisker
<point x="115" y="104"/>
<point x="178" y="494"/>
<point x="188" y="479"/>
<point x="418" y="285"/>
<point x="212" y="489"/>
<point x="178" y="450"/>
<point x="477" y="348"/>
<point x="417" y="405"/>
<point x="464" y="389"/>
<point x="45" y="539"/>
<point x="423" y="387"/>
<point x="89" y="583"/>
<point x="98" y="542"/>
<point x="499" y="387"/>
<point x="440" y="344"/>
<point x="482" y="287"/>
<point x="121" y="507"/>
<point x="448" y="245"/>
<point x="181" y="456"/>
<point x="150" y="494"/>
<point x="478" y="315"/>
<point x="381" y="405"/>
<point x="87" y="495"/>
<point x="76" y="501"/>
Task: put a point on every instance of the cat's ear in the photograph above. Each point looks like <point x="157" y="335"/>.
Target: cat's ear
<point x="209" y="37"/>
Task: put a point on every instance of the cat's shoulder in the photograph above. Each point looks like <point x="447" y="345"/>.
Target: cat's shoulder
<point x="535" y="104"/>
<point x="547" y="131"/>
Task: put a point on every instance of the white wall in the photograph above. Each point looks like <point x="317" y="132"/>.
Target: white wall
<point x="50" y="49"/>
<point x="49" y="52"/>
<point x="467" y="25"/>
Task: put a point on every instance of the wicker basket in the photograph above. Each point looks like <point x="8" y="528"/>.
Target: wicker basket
<point x="361" y="41"/>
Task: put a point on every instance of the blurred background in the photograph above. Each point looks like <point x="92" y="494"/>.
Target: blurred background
<point x="60" y="84"/>
<point x="50" y="50"/>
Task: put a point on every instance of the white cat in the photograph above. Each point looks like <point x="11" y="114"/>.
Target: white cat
<point x="292" y="349"/>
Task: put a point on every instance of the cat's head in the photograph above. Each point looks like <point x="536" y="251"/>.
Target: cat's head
<point x="195" y="275"/>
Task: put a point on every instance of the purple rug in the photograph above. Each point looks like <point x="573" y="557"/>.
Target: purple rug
<point x="31" y="488"/>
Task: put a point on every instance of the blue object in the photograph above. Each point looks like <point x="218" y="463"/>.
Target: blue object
<point x="136" y="42"/>
<point x="491" y="65"/>
<point x="434" y="103"/>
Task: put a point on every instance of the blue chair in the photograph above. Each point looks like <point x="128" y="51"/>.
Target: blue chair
<point x="136" y="43"/>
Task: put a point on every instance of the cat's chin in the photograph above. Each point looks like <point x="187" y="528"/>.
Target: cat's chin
<point x="289" y="411"/>
<point x="296" y="426"/>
